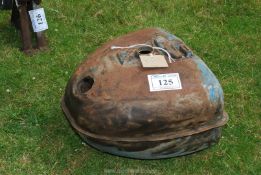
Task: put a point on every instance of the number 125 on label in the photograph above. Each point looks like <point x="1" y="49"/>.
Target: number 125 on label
<point x="163" y="82"/>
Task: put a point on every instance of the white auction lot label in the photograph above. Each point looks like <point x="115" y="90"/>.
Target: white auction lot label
<point x="164" y="82"/>
<point x="38" y="19"/>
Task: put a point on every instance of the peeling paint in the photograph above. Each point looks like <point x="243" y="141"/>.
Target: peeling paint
<point x="209" y="81"/>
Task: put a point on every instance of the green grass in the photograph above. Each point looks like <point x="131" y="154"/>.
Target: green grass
<point x="35" y="138"/>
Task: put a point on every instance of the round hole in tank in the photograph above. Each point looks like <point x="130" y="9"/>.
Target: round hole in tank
<point x="145" y="50"/>
<point x="85" y="84"/>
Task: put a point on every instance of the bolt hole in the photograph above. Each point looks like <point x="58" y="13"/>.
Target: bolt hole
<point x="85" y="84"/>
<point x="145" y="50"/>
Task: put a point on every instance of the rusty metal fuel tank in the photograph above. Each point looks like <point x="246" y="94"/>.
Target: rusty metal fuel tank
<point x="109" y="103"/>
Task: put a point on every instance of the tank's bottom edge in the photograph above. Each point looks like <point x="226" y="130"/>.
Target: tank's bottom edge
<point x="167" y="149"/>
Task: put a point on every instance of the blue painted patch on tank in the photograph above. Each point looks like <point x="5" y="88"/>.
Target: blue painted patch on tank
<point x="212" y="93"/>
<point x="169" y="36"/>
<point x="210" y="82"/>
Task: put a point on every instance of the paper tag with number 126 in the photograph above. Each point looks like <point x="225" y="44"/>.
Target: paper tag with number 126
<point x="38" y="19"/>
<point x="163" y="82"/>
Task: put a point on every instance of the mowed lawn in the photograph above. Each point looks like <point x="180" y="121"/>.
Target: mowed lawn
<point x="35" y="137"/>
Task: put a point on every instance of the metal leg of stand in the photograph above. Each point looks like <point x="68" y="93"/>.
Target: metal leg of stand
<point x="40" y="36"/>
<point x="25" y="29"/>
